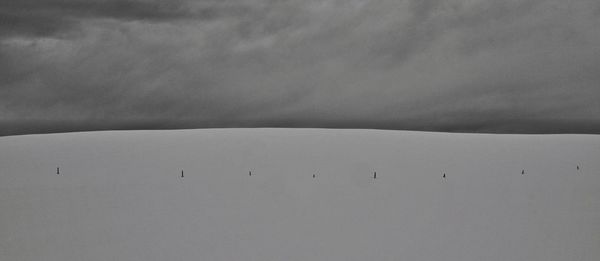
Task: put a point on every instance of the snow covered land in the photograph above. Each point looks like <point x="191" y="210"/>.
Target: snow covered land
<point x="119" y="195"/>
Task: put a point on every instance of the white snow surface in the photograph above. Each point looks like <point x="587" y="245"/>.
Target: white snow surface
<point x="120" y="196"/>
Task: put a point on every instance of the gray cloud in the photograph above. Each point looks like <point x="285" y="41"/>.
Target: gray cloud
<point x="52" y="17"/>
<point x="490" y="66"/>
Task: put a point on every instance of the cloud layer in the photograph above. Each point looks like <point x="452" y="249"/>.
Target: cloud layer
<point x="458" y="65"/>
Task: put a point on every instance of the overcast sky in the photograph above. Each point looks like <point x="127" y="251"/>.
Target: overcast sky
<point x="453" y="65"/>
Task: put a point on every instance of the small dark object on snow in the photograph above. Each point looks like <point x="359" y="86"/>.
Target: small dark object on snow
<point x="182" y="173"/>
<point x="57" y="171"/>
<point x="444" y="176"/>
<point x="313" y="176"/>
<point x="375" y="174"/>
<point x="249" y="173"/>
<point x="577" y="167"/>
<point x="522" y="172"/>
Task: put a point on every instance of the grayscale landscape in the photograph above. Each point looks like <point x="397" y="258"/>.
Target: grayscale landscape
<point x="120" y="195"/>
<point x="299" y="130"/>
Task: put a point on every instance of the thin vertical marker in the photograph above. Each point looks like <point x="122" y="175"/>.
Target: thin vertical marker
<point x="375" y="175"/>
<point x="249" y="173"/>
<point x="57" y="171"/>
<point x="522" y="172"/>
<point x="182" y="173"/>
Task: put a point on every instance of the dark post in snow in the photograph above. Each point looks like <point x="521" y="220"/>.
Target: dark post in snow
<point x="522" y="172"/>
<point x="57" y="171"/>
<point x="577" y="167"/>
<point x="182" y="173"/>
<point x="249" y="173"/>
<point x="444" y="176"/>
<point x="313" y="176"/>
<point x="375" y="175"/>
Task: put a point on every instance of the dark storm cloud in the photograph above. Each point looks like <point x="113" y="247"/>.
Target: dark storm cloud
<point x="475" y="66"/>
<point x="49" y="17"/>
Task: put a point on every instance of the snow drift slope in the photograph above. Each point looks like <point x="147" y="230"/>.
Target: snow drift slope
<point x="120" y="196"/>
